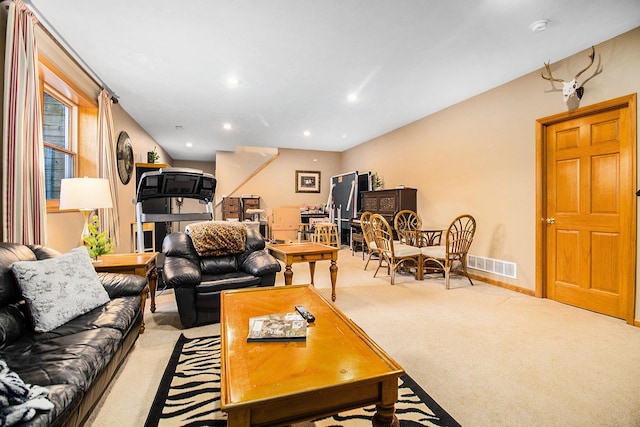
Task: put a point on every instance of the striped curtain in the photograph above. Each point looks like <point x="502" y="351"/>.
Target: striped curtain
<point x="107" y="166"/>
<point x="23" y="196"/>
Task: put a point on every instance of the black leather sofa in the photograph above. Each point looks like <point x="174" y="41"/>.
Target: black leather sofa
<point x="76" y="361"/>
<point x="197" y="281"/>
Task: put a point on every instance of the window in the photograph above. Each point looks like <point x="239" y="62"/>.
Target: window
<point x="59" y="149"/>
<point x="69" y="131"/>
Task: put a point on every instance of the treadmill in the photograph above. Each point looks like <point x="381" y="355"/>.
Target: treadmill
<point x="173" y="183"/>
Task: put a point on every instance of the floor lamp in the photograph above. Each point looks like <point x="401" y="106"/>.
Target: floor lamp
<point x="86" y="195"/>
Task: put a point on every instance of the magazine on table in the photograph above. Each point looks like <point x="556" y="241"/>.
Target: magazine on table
<point x="277" y="327"/>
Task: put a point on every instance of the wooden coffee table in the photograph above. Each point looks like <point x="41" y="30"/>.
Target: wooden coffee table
<point x="337" y="368"/>
<point x="292" y="253"/>
<point x="140" y="264"/>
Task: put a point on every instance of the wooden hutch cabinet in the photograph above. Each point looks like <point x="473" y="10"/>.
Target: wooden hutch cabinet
<point x="389" y="202"/>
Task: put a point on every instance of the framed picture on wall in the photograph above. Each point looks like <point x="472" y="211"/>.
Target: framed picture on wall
<point x="307" y="181"/>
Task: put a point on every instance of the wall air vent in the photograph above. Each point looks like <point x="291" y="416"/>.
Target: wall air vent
<point x="490" y="265"/>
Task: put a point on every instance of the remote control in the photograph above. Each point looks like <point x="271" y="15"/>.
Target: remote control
<point x="304" y="313"/>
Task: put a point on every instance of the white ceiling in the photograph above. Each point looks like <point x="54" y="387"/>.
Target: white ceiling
<point x="297" y="60"/>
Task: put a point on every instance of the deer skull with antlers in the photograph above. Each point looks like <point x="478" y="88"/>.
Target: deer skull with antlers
<point x="571" y="88"/>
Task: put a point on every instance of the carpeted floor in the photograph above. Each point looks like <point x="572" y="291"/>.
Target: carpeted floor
<point x="489" y="356"/>
<point x="189" y="394"/>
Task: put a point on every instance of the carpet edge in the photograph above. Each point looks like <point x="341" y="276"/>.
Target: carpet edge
<point x="155" y="410"/>
<point x="438" y="410"/>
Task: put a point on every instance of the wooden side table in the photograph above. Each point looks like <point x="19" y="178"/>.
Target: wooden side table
<point x="306" y="252"/>
<point x="140" y="264"/>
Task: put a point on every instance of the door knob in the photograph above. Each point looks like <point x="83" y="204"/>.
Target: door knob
<point x="551" y="220"/>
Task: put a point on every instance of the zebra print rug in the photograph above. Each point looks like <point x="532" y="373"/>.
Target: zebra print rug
<point x="189" y="394"/>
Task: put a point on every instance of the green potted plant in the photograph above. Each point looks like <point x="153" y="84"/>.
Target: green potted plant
<point x="153" y="156"/>
<point x="97" y="243"/>
<point x="377" y="182"/>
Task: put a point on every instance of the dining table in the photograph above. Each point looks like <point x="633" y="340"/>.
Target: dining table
<point x="424" y="236"/>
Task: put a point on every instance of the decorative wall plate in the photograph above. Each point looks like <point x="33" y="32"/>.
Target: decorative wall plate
<point x="124" y="155"/>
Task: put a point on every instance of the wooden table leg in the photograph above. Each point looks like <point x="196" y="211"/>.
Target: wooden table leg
<point x="143" y="303"/>
<point x="312" y="270"/>
<point x="383" y="419"/>
<point x="239" y="418"/>
<point x="152" y="279"/>
<point x="333" y="269"/>
<point x="385" y="415"/>
<point x="288" y="275"/>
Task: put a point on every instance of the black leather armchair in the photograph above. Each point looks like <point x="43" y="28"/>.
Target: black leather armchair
<point x="197" y="281"/>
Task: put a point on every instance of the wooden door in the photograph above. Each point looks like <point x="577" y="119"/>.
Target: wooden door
<point x="589" y="209"/>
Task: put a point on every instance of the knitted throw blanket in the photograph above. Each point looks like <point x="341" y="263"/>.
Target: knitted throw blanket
<point x="215" y="238"/>
<point x="19" y="401"/>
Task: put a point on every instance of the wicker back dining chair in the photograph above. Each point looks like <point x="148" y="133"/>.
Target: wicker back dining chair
<point x="458" y="239"/>
<point x="367" y="233"/>
<point x="394" y="254"/>
<point x="407" y="223"/>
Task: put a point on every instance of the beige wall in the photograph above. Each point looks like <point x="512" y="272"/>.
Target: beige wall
<point x="479" y="156"/>
<point x="275" y="184"/>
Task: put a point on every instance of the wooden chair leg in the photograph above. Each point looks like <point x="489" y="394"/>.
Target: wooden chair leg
<point x="378" y="268"/>
<point x="466" y="273"/>
<point x="420" y="269"/>
<point x="368" y="259"/>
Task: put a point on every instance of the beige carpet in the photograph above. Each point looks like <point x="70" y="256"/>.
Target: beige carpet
<point x="489" y="356"/>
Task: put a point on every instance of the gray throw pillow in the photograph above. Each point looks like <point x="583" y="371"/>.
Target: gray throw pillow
<point x="59" y="289"/>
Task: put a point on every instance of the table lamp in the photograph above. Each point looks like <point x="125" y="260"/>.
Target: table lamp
<point x="86" y="195"/>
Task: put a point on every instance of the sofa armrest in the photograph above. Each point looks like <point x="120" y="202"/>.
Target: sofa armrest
<point x="180" y="272"/>
<point x="120" y="285"/>
<point x="260" y="263"/>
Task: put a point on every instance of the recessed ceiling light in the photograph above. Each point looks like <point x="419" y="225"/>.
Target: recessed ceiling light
<point x="539" y="25"/>
<point x="307" y="133"/>
<point x="189" y="145"/>
<point x="227" y="126"/>
<point x="233" y="82"/>
<point x="352" y="97"/>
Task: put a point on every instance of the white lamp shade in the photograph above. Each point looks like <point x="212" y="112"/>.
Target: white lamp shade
<point x="85" y="193"/>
